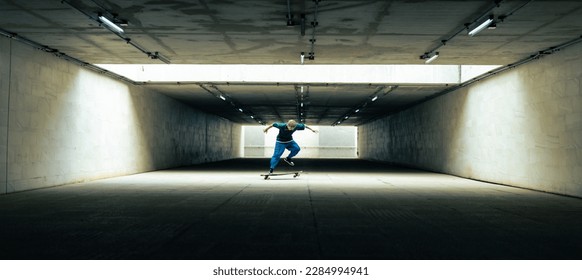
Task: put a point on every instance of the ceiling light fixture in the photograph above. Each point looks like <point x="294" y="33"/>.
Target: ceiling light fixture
<point x="113" y="26"/>
<point x="491" y="24"/>
<point x="432" y="58"/>
<point x="380" y="91"/>
<point x="216" y="92"/>
<point x="302" y="95"/>
<point x="109" y="24"/>
<point x="480" y="27"/>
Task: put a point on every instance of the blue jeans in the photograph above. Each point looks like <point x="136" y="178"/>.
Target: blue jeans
<point x="280" y="148"/>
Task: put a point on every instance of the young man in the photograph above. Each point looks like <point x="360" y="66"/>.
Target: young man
<point x="285" y="141"/>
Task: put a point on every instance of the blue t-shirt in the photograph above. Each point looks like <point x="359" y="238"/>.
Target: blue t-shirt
<point x="285" y="135"/>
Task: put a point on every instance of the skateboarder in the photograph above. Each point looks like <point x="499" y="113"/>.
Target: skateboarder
<point x="285" y="141"/>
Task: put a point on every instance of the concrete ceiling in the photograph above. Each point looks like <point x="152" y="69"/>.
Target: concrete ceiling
<point x="256" y="32"/>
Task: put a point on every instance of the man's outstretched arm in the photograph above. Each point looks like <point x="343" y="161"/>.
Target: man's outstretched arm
<point x="314" y="130"/>
<point x="267" y="129"/>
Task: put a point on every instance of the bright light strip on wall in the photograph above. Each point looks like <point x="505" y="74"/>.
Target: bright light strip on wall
<point x="110" y="24"/>
<point x="482" y="26"/>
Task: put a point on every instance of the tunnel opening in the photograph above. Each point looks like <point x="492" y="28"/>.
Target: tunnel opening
<point x="330" y="142"/>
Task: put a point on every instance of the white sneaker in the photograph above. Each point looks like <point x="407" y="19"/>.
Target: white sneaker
<point x="288" y="161"/>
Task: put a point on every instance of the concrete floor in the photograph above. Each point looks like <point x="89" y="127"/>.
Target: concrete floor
<point x="338" y="209"/>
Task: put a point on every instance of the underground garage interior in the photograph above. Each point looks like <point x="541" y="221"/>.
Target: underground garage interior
<point x="123" y="127"/>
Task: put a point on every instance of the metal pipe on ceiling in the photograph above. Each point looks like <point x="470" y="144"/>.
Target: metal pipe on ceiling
<point x="64" y="56"/>
<point x="379" y="92"/>
<point x="530" y="58"/>
<point x="150" y="54"/>
<point x="314" y="24"/>
<point x="485" y="14"/>
<point x="216" y="92"/>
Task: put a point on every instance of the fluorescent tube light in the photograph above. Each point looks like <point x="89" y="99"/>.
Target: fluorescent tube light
<point x="482" y="26"/>
<point x="110" y="24"/>
<point x="374" y="98"/>
<point x="432" y="58"/>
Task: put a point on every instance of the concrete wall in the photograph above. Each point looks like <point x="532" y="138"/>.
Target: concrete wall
<point x="522" y="127"/>
<point x="67" y="124"/>
<point x="330" y="142"/>
<point x="4" y="97"/>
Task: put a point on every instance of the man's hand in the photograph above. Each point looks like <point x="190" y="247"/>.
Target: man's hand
<point x="267" y="129"/>
<point x="314" y="130"/>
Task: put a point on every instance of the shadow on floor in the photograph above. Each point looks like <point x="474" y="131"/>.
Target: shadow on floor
<point x="339" y="209"/>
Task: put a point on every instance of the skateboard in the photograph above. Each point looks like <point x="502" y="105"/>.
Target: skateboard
<point x="295" y="174"/>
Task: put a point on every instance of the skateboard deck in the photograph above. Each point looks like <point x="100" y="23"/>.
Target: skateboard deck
<point x="295" y="174"/>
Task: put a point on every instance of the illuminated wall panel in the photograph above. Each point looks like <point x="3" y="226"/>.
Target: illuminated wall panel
<point x="68" y="124"/>
<point x="329" y="142"/>
<point x="522" y="128"/>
